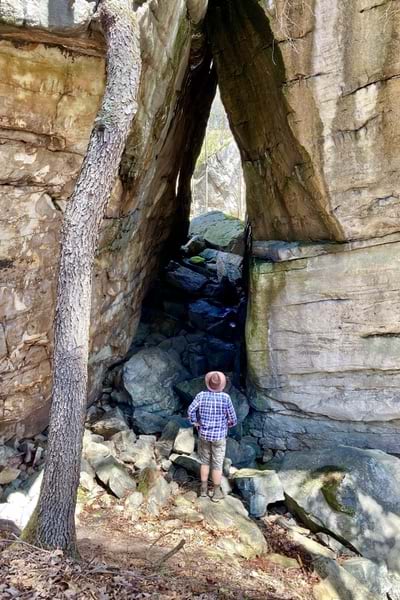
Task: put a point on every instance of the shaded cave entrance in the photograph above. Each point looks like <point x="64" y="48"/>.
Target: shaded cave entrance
<point x="195" y="311"/>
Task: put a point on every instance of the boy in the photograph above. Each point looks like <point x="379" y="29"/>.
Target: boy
<point x="212" y="413"/>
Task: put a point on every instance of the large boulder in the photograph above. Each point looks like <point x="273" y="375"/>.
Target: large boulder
<point x="115" y="476"/>
<point x="259" y="488"/>
<point x="215" y="319"/>
<point x="187" y="390"/>
<point x="219" y="231"/>
<point x="186" y="280"/>
<point x="352" y="493"/>
<point x="111" y="423"/>
<point x="54" y="15"/>
<point x="149" y="377"/>
<point x="230" y="516"/>
<point x="148" y="422"/>
<point x="241" y="454"/>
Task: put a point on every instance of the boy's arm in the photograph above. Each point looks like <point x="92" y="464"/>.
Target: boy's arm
<point x="192" y="410"/>
<point x="231" y="413"/>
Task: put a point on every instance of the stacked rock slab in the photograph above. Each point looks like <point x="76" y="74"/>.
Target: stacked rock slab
<point x="53" y="70"/>
<point x="323" y="345"/>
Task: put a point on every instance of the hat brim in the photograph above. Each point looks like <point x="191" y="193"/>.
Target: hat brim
<point x="219" y="388"/>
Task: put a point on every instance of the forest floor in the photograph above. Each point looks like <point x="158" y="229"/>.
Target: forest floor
<point x="124" y="559"/>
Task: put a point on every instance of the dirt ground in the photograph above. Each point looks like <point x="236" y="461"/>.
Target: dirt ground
<point x="126" y="560"/>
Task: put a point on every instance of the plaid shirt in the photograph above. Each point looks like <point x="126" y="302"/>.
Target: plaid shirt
<point x="214" y="412"/>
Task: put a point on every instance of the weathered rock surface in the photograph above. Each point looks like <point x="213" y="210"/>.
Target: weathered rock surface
<point x="52" y="66"/>
<point x="230" y="515"/>
<point x="351" y="493"/>
<point x="219" y="231"/>
<point x="325" y="166"/>
<point x="259" y="489"/>
<point x="323" y="346"/>
<point x="52" y="15"/>
<point x="149" y="377"/>
<point x="115" y="476"/>
<point x="112" y="423"/>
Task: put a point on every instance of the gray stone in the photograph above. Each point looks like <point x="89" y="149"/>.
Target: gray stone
<point x="163" y="448"/>
<point x="178" y="474"/>
<point x="149" y="377"/>
<point x="259" y="489"/>
<point x="174" y="424"/>
<point x="333" y="544"/>
<point x="158" y="496"/>
<point x="352" y="493"/>
<point x="124" y="441"/>
<point x="191" y="463"/>
<point x="187" y="390"/>
<point x="141" y="454"/>
<point x="230" y="268"/>
<point x="186" y="514"/>
<point x="325" y="385"/>
<point x="338" y="583"/>
<point x="115" y="476"/>
<point x="54" y="15"/>
<point x="8" y="474"/>
<point x="240" y="453"/>
<point x="184" y="441"/>
<point x="230" y="515"/>
<point x="95" y="452"/>
<point x="166" y="464"/>
<point x="133" y="502"/>
<point x="87" y="478"/>
<point x="372" y="575"/>
<point x="219" y="231"/>
<point x="185" y="279"/>
<point x="147" y="422"/>
<point x="113" y="422"/>
<point x="6" y="453"/>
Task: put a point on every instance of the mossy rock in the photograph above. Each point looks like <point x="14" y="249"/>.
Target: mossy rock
<point x="146" y="479"/>
<point x="197" y="260"/>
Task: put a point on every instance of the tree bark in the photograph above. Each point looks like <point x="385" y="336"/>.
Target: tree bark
<point x="53" y="525"/>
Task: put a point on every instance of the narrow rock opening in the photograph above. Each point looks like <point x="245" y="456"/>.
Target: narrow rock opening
<point x="193" y="317"/>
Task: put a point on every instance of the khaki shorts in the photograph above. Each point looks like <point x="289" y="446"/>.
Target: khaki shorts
<point x="212" y="453"/>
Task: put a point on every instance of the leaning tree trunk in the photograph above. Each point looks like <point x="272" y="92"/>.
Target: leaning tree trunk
<point x="53" y="525"/>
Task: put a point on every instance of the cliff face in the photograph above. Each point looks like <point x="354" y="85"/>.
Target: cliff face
<point x="311" y="92"/>
<point x="52" y="80"/>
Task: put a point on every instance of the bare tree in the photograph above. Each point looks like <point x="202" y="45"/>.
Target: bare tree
<point x="53" y="523"/>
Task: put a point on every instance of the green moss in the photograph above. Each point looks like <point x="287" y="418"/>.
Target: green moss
<point x="197" y="260"/>
<point x="146" y="480"/>
<point x="332" y="478"/>
<point x="30" y="530"/>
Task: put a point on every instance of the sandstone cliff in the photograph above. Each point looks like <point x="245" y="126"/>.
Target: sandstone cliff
<point x="52" y="80"/>
<point x="310" y="88"/>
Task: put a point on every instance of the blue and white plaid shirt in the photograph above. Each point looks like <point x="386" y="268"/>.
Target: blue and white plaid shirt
<point x="214" y="413"/>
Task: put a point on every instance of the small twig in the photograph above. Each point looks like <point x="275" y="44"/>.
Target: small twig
<point x="157" y="540"/>
<point x="18" y="541"/>
<point x="170" y="553"/>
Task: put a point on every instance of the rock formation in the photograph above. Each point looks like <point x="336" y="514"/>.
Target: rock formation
<point x="52" y="81"/>
<point x="310" y="89"/>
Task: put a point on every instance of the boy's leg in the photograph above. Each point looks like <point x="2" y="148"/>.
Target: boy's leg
<point x="204" y="451"/>
<point x="218" y="455"/>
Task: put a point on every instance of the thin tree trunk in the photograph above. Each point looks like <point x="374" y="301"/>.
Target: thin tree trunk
<point x="54" y="522"/>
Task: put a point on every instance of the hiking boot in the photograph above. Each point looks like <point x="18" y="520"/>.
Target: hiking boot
<point x="218" y="494"/>
<point x="203" y="489"/>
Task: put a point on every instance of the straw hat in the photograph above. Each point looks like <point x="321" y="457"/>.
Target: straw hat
<point x="215" y="381"/>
